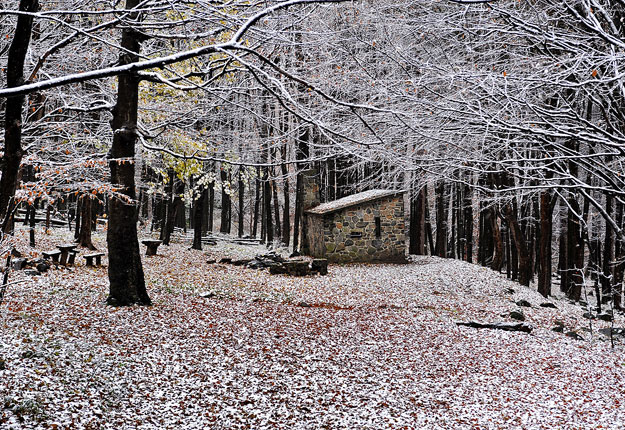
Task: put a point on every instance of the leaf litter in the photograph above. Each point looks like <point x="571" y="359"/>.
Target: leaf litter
<point x="367" y="346"/>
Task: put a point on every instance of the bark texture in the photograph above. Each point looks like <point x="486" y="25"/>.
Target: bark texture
<point x="127" y="282"/>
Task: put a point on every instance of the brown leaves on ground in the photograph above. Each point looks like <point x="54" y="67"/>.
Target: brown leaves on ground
<point x="368" y="346"/>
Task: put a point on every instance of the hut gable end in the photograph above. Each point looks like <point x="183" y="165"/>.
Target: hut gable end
<point x="364" y="227"/>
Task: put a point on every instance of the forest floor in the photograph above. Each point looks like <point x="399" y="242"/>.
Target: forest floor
<point x="367" y="346"/>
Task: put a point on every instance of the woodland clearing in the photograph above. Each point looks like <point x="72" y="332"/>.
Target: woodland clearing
<point x="367" y="346"/>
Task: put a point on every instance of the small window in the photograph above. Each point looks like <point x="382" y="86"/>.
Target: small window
<point x="378" y="227"/>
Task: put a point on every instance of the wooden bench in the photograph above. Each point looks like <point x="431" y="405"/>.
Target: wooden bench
<point x="152" y="246"/>
<point x="53" y="254"/>
<point x="90" y="257"/>
<point x="72" y="257"/>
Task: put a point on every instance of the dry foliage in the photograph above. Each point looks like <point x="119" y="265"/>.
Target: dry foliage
<point x="368" y="346"/>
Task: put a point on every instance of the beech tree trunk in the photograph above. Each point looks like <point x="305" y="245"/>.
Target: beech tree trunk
<point x="524" y="263"/>
<point x="417" y="223"/>
<point x="14" y="108"/>
<point x="127" y="282"/>
<point x="544" y="247"/>
<point x="497" y="262"/>
<point x="226" y="205"/>
<point x="267" y="218"/>
<point x="211" y="206"/>
<point x="173" y="207"/>
<point x="198" y="216"/>
<point x="241" y="205"/>
<point x="256" y="204"/>
<point x="468" y="222"/>
<point x="32" y="222"/>
<point x="441" y="220"/>
<point x="84" y="237"/>
<point x="608" y="254"/>
<point x="286" y="216"/>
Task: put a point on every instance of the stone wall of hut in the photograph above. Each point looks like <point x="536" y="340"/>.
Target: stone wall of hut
<point x="369" y="232"/>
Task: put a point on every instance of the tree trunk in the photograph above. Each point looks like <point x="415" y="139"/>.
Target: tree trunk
<point x="608" y="254"/>
<point x="575" y="248"/>
<point x="276" y="209"/>
<point x="127" y="282"/>
<point x="524" y="263"/>
<point x="224" y="226"/>
<point x="268" y="221"/>
<point x="441" y="220"/>
<point x="544" y="250"/>
<point x="241" y="205"/>
<point x="14" y="106"/>
<point x="303" y="153"/>
<point x="79" y="202"/>
<point x="198" y="216"/>
<point x="173" y="207"/>
<point x="211" y="206"/>
<point x="84" y="238"/>
<point x="468" y="222"/>
<point x="167" y="208"/>
<point x="417" y="222"/>
<point x="498" y="250"/>
<point x="32" y="220"/>
<point x="286" y="212"/>
<point x="256" y="204"/>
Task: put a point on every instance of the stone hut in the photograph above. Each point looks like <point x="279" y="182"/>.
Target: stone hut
<point x="364" y="227"/>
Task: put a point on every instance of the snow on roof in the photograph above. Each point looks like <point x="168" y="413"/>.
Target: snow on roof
<point x="354" y="199"/>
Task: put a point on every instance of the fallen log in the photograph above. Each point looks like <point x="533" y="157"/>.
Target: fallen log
<point x="523" y="327"/>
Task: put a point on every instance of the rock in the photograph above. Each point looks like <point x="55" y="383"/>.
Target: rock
<point x="277" y="269"/>
<point x="517" y="315"/>
<point x="558" y="329"/>
<point x="509" y="291"/>
<point x="208" y="294"/>
<point x="320" y="265"/>
<point x="255" y="264"/>
<point x="29" y="354"/>
<point x="616" y="331"/>
<point x="226" y="260"/>
<point x="16" y="253"/>
<point x="43" y="267"/>
<point x="606" y="316"/>
<point x="304" y="305"/>
<point x="211" y="261"/>
<point x="296" y="268"/>
<point x="548" y="305"/>
<point x="241" y="262"/>
<point x="573" y="335"/>
<point x="524" y="304"/>
<point x="18" y="263"/>
<point x="588" y="316"/>
<point x="522" y="327"/>
<point x="32" y="272"/>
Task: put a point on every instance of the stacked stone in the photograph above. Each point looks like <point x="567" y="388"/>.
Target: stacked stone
<point x="350" y="234"/>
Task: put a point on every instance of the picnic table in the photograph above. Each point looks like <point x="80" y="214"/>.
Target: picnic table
<point x="152" y="246"/>
<point x="67" y="250"/>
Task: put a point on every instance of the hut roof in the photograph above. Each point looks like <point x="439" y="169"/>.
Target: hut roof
<point x="353" y="200"/>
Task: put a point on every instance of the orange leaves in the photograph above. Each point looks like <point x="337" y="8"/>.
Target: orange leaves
<point x="594" y="73"/>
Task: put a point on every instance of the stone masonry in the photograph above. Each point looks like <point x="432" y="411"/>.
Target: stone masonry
<point x="364" y="227"/>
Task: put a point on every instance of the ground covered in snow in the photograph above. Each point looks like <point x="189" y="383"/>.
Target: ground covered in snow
<point x="365" y="347"/>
